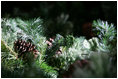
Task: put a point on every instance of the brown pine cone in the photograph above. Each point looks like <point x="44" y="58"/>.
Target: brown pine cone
<point x="23" y="47"/>
<point x="49" y="42"/>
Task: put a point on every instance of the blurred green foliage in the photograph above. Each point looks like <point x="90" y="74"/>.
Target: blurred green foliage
<point x="99" y="66"/>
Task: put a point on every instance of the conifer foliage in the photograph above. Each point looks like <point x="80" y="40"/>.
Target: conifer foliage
<point x="27" y="52"/>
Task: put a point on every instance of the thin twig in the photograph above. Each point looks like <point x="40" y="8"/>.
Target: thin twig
<point x="11" y="51"/>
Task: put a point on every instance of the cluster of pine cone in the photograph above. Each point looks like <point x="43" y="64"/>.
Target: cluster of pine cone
<point x="50" y="44"/>
<point x="23" y="47"/>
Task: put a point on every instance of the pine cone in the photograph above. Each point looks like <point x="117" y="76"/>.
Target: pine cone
<point x="23" y="47"/>
<point x="59" y="51"/>
<point x="49" y="42"/>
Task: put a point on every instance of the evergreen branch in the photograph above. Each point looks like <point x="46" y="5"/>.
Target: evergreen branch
<point x="8" y="48"/>
<point x="106" y="32"/>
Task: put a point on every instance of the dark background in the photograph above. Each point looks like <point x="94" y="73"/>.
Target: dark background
<point x="80" y="12"/>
